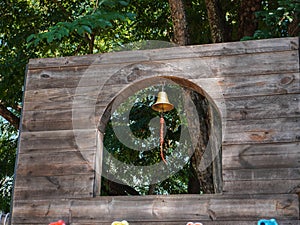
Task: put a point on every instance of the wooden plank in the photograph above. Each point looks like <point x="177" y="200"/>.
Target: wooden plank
<point x="243" y="222"/>
<point x="262" y="131"/>
<point x="265" y="63"/>
<point x="216" y="87"/>
<point x="279" y="174"/>
<point x="161" y="209"/>
<point x="54" y="187"/>
<point x="277" y="155"/>
<point x="250" y="85"/>
<point x="263" y="107"/>
<point x="193" y="68"/>
<point x="56" y="163"/>
<point x="247" y="222"/>
<point x="70" y="77"/>
<point x="229" y="222"/>
<point x="100" y="75"/>
<point x="59" y="98"/>
<point x="247" y="47"/>
<point x="269" y="84"/>
<point x="67" y="98"/>
<point x="261" y="186"/>
<point x="62" y="139"/>
<point x="66" y="119"/>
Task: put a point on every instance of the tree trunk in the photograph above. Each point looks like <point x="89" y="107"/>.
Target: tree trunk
<point x="216" y="20"/>
<point x="200" y="137"/>
<point x="180" y="26"/>
<point x="248" y="23"/>
<point x="205" y="177"/>
<point x="193" y="184"/>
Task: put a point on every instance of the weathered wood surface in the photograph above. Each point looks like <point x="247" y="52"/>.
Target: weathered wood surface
<point x="220" y="67"/>
<point x="239" y="86"/>
<point x="256" y="87"/>
<point x="262" y="131"/>
<point x="262" y="186"/>
<point x="160" y="209"/>
<point x="284" y="155"/>
<point x="244" y="222"/>
<point x="54" y="187"/>
<point x="274" y="130"/>
<point x="243" y="110"/>
<point x="261" y="168"/>
<point x="236" y="48"/>
<point x="56" y="163"/>
<point x="59" y="140"/>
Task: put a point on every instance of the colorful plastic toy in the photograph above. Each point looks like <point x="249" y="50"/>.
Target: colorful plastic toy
<point x="60" y="222"/>
<point x="191" y="223"/>
<point x="123" y="222"/>
<point x="267" y="222"/>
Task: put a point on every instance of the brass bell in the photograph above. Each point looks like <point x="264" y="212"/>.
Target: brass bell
<point x="162" y="103"/>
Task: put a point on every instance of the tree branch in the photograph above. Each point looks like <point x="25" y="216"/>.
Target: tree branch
<point x="9" y="116"/>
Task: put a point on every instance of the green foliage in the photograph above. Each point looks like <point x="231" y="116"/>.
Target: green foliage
<point x="8" y="145"/>
<point x="91" y="22"/>
<point x="152" y="20"/>
<point x="15" y="25"/>
<point x="141" y="115"/>
<point x="276" y="18"/>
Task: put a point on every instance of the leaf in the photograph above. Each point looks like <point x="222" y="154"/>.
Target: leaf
<point x="87" y="29"/>
<point x="64" y="32"/>
<point x="124" y="3"/>
<point x="36" y="42"/>
<point x="80" y="31"/>
<point x="30" y="37"/>
<point x="50" y="38"/>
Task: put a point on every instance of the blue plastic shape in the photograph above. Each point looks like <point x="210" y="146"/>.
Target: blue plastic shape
<point x="267" y="222"/>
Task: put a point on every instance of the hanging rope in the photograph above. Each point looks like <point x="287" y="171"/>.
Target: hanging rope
<point x="162" y="122"/>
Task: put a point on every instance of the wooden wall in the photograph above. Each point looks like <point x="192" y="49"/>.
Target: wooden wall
<point x="254" y="84"/>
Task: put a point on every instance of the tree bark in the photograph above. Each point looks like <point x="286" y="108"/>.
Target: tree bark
<point x="294" y="28"/>
<point x="180" y="26"/>
<point x="205" y="177"/>
<point x="216" y="20"/>
<point x="248" y="23"/>
<point x="9" y="116"/>
<point x="200" y="136"/>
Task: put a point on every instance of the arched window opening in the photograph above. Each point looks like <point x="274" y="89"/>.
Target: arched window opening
<point x="132" y="163"/>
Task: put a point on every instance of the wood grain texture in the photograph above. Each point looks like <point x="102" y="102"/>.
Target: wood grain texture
<point x="260" y="156"/>
<point x="236" y="48"/>
<point x="56" y="163"/>
<point x="233" y="89"/>
<point x="262" y="131"/>
<point x="54" y="187"/>
<point x="254" y="84"/>
<point x="261" y="186"/>
<point x="160" y="209"/>
<point x="189" y="68"/>
<point x="241" y="222"/>
<point x="274" y="174"/>
<point x="85" y="115"/>
<point x="59" y="140"/>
